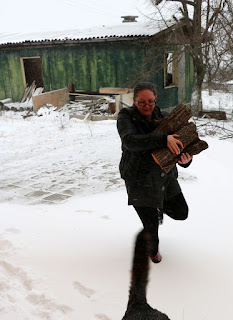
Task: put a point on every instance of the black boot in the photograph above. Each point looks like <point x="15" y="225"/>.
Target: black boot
<point x="157" y="258"/>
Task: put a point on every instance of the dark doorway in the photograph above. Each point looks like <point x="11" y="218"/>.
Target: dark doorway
<point x="33" y="71"/>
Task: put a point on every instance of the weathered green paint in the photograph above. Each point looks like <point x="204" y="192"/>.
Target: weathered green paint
<point x="15" y="73"/>
<point x="81" y="68"/>
<point x="45" y="61"/>
<point x="6" y="76"/>
<point x="129" y="63"/>
<point x="11" y="78"/>
<point x="102" y="67"/>
<point x="90" y="66"/>
<point x="2" y="79"/>
<point x="168" y="98"/>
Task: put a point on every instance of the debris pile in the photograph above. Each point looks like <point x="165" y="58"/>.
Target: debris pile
<point x="211" y="127"/>
<point x="31" y="91"/>
<point x="96" y="104"/>
<point x="8" y="105"/>
<point x="87" y="105"/>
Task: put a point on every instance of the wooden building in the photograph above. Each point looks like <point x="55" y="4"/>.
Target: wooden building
<point x="117" y="56"/>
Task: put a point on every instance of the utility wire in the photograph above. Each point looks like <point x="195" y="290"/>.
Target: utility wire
<point x="93" y="6"/>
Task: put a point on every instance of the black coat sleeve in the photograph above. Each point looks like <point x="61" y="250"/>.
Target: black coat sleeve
<point x="135" y="141"/>
<point x="185" y="165"/>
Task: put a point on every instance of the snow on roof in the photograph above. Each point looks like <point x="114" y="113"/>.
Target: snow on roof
<point x="118" y="31"/>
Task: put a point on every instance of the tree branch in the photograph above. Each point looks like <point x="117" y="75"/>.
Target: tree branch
<point x="191" y="3"/>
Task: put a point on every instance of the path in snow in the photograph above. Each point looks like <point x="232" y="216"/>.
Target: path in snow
<point x="18" y="297"/>
<point x="43" y="163"/>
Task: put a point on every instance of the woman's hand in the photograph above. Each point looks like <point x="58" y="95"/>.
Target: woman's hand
<point x="185" y="158"/>
<point x="173" y="143"/>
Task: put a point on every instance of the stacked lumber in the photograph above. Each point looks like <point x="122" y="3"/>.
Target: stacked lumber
<point x="96" y="104"/>
<point x="120" y="97"/>
<point x="177" y="123"/>
<point x="31" y="91"/>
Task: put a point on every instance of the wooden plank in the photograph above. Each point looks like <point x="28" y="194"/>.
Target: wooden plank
<point x="115" y="90"/>
<point x="84" y="94"/>
<point x="7" y="100"/>
<point x="25" y="93"/>
<point x="58" y="98"/>
<point x="94" y="117"/>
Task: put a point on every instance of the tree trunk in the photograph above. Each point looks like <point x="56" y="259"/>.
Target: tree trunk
<point x="210" y="89"/>
<point x="195" y="98"/>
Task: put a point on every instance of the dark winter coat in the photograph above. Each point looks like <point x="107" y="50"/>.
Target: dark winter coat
<point x="147" y="184"/>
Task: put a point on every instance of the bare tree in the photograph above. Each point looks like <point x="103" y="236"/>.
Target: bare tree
<point x="200" y="18"/>
<point x="225" y="27"/>
<point x="220" y="65"/>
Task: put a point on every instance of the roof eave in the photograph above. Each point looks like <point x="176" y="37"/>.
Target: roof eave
<point x="73" y="41"/>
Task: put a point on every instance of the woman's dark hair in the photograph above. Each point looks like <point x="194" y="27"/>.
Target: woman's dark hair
<point x="144" y="86"/>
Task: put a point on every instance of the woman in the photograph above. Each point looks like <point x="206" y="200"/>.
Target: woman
<point x="150" y="189"/>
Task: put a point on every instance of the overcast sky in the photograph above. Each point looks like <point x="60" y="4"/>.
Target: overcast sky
<point x="45" y="15"/>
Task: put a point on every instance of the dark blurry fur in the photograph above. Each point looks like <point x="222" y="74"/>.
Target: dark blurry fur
<point x="138" y="308"/>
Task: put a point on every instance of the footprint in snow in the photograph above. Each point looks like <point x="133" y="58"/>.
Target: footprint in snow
<point x="16" y="286"/>
<point x="16" y="274"/>
<point x="83" y="290"/>
<point x="186" y="177"/>
<point x="5" y="245"/>
<point x="105" y="217"/>
<point x="49" y="306"/>
<point x="13" y="230"/>
<point x="102" y="316"/>
<point x="83" y="211"/>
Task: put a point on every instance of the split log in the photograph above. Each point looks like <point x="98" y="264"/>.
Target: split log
<point x="177" y="118"/>
<point x="177" y="123"/>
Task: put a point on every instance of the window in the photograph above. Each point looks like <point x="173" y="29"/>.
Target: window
<point x="170" y="69"/>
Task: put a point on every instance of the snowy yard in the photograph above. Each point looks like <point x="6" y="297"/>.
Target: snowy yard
<point x="49" y="159"/>
<point x="67" y="234"/>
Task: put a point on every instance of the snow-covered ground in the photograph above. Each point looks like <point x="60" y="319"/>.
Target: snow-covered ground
<point x="67" y="234"/>
<point x="218" y="101"/>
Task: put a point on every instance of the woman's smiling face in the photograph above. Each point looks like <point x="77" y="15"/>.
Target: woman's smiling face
<point x="145" y="102"/>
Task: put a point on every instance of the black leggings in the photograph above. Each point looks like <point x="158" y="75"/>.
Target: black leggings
<point x="176" y="208"/>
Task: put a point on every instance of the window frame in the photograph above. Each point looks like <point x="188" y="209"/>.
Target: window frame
<point x="174" y="62"/>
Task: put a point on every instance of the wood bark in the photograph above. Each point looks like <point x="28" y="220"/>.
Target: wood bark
<point x="177" y="123"/>
<point x="177" y="118"/>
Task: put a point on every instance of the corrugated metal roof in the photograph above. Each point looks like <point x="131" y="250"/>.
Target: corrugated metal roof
<point x="130" y="29"/>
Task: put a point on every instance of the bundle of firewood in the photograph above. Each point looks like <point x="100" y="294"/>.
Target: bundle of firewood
<point x="177" y="123"/>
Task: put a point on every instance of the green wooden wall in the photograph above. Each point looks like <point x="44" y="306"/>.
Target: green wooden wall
<point x="90" y="66"/>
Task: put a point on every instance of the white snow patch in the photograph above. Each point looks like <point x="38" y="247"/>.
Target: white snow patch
<point x="121" y="30"/>
<point x="70" y="258"/>
<point x="218" y="101"/>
